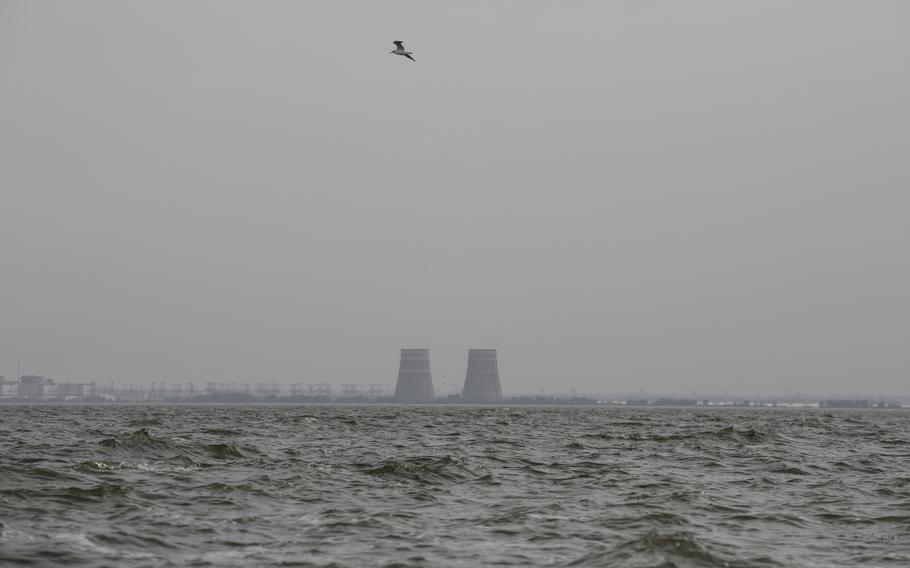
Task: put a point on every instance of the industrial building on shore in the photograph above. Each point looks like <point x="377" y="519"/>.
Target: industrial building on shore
<point x="481" y="381"/>
<point x="415" y="382"/>
<point x="37" y="387"/>
<point x="414" y="385"/>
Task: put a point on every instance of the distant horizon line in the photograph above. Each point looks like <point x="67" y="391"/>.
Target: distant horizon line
<point x="287" y="388"/>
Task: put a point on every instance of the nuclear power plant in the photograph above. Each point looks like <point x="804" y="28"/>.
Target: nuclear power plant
<point x="415" y="383"/>
<point x="481" y="381"/>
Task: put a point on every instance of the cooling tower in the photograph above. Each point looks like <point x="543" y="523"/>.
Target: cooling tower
<point x="415" y="384"/>
<point x="481" y="382"/>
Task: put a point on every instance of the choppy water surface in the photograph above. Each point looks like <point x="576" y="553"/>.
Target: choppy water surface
<point x="452" y="486"/>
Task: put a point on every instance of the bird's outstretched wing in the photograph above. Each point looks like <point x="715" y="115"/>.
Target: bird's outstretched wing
<point x="399" y="44"/>
<point x="408" y="55"/>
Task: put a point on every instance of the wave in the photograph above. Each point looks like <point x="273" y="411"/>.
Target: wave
<point x="165" y="454"/>
<point x="747" y="436"/>
<point x="29" y="474"/>
<point x="136" y="440"/>
<point x="424" y="469"/>
<point x="95" y="466"/>
<point x="222" y="432"/>
<point x="70" y="495"/>
<point x="655" y="548"/>
<point x="223" y="451"/>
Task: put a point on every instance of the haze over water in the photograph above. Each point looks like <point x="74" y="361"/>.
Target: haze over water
<point x="619" y="197"/>
<point x="452" y="486"/>
<point x="666" y="196"/>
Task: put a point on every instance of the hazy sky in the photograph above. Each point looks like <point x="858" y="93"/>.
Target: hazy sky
<point x="669" y="196"/>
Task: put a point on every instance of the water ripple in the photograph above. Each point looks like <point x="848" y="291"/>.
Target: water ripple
<point x="452" y="486"/>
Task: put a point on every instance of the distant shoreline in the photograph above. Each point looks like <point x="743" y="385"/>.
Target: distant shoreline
<point x="862" y="404"/>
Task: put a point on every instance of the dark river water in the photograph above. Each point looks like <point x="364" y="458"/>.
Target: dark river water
<point x="452" y="486"/>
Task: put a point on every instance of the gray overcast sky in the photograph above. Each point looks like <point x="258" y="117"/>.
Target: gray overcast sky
<point x="666" y="196"/>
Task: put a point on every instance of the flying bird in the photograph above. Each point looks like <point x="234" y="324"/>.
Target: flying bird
<point x="399" y="50"/>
